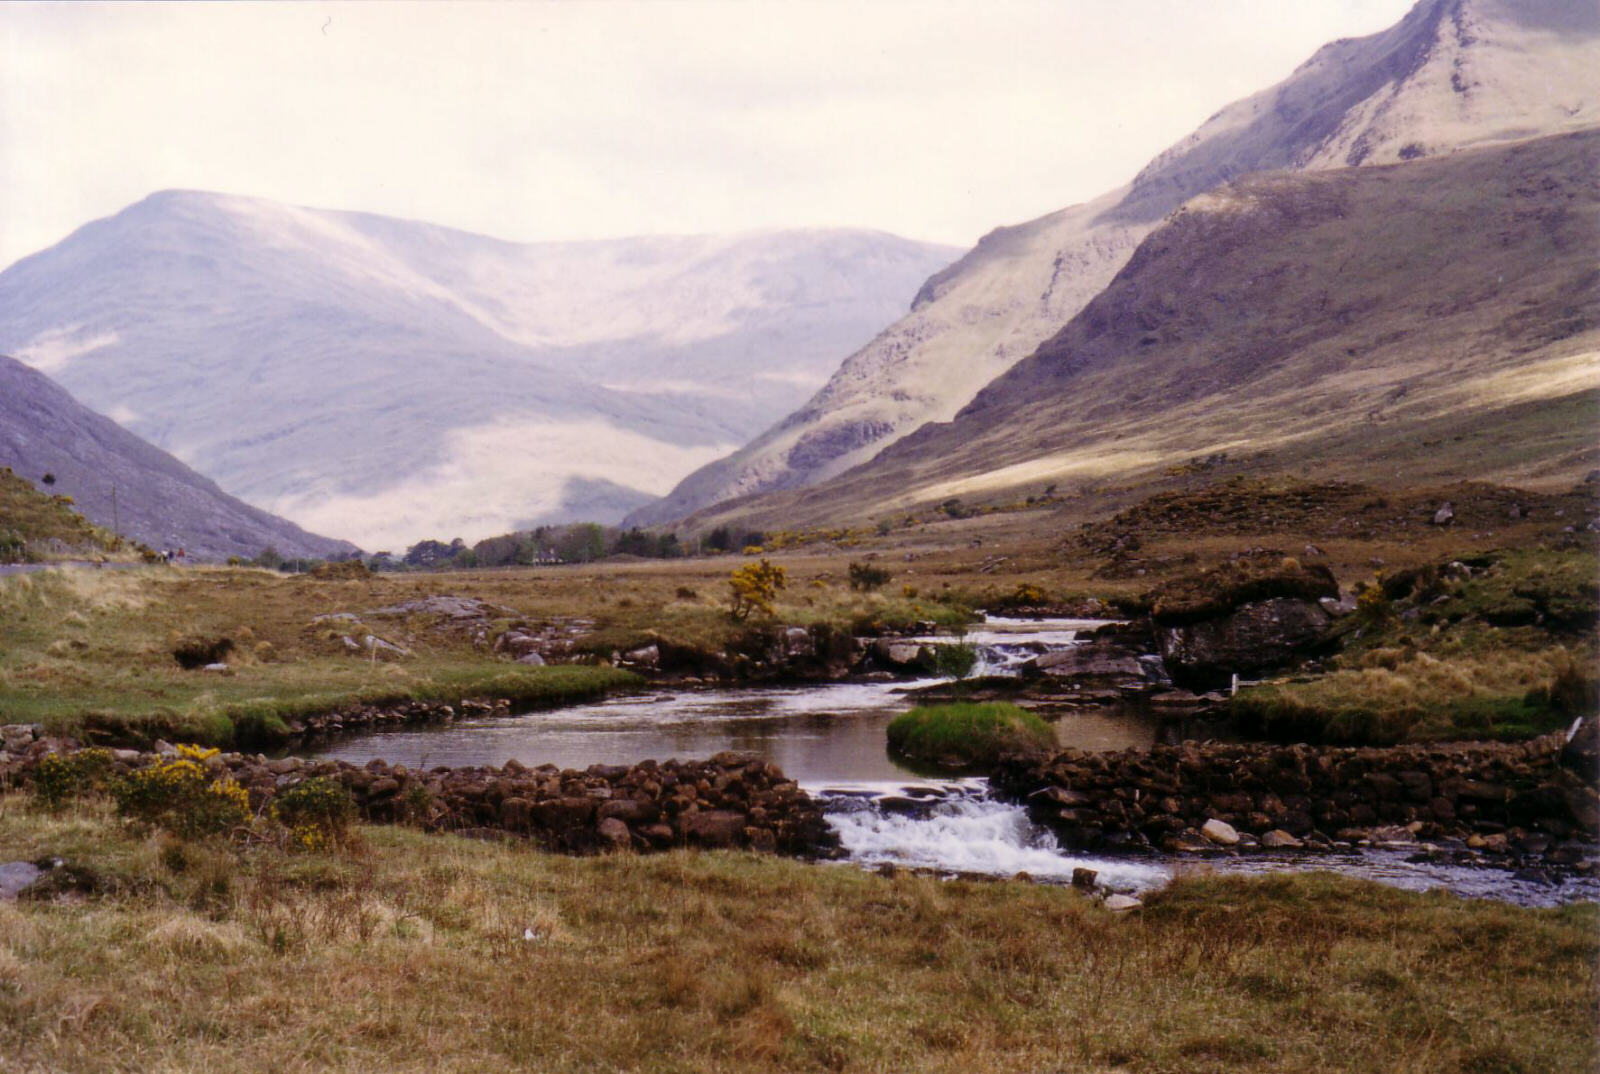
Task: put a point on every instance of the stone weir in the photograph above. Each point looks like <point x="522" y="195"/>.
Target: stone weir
<point x="1533" y="802"/>
<point x="731" y="800"/>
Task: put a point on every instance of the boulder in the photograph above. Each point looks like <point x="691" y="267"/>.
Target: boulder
<point x="1254" y="638"/>
<point x="531" y="659"/>
<point x="1119" y="904"/>
<point x="614" y="834"/>
<point x="15" y="876"/>
<point x="1101" y="660"/>
<point x="1220" y="832"/>
<point x="899" y="655"/>
<point x="713" y="827"/>
<point x="1278" y="839"/>
<point x="646" y="656"/>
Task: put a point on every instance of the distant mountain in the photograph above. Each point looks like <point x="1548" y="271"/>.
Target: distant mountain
<point x="1415" y="323"/>
<point x="387" y="380"/>
<point x="1453" y="74"/>
<point x="159" y="500"/>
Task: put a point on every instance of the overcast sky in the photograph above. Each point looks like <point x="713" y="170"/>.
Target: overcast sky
<point x="586" y="120"/>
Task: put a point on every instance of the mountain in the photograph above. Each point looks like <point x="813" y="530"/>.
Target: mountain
<point x="1453" y="74"/>
<point x="1414" y="323"/>
<point x="158" y="500"/>
<point x="388" y="380"/>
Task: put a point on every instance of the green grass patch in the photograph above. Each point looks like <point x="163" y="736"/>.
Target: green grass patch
<point x="967" y="734"/>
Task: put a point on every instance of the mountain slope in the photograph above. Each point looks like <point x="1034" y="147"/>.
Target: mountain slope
<point x="159" y="500"/>
<point x="1428" y="321"/>
<point x="388" y="380"/>
<point x="1453" y="74"/>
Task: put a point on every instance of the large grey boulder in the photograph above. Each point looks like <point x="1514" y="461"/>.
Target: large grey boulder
<point x="1251" y="639"/>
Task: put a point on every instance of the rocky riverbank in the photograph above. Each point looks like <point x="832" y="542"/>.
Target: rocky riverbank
<point x="730" y="800"/>
<point x="1528" y="804"/>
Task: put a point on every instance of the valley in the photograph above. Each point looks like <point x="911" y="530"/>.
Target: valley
<point x="1162" y="637"/>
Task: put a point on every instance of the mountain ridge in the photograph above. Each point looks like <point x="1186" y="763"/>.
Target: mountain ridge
<point x="156" y="500"/>
<point x="412" y="380"/>
<point x="1434" y="320"/>
<point x="1451" y="74"/>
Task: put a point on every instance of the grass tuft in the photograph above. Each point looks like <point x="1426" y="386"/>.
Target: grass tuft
<point x="967" y="734"/>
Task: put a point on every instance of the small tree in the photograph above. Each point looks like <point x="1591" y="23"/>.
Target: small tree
<point x="866" y="577"/>
<point x="754" y="587"/>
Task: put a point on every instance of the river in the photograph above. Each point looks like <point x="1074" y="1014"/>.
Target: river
<point x="831" y="738"/>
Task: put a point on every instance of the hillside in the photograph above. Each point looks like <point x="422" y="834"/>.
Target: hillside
<point x="38" y="526"/>
<point x="387" y="380"/>
<point x="1423" y="322"/>
<point x="1453" y="74"/>
<point x="159" y="500"/>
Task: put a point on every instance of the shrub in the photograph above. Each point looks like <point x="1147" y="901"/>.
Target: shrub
<point x="956" y="661"/>
<point x="967" y="735"/>
<point x="864" y="577"/>
<point x="1026" y="595"/>
<point x="182" y="795"/>
<point x="60" y="777"/>
<point x="350" y="569"/>
<point x="754" y="587"/>
<point x="318" y="813"/>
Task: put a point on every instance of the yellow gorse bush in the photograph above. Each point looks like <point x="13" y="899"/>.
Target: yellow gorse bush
<point x="754" y="587"/>
<point x="182" y="795"/>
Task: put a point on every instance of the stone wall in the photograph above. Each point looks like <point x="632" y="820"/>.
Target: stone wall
<point x="731" y="800"/>
<point x="1535" y="801"/>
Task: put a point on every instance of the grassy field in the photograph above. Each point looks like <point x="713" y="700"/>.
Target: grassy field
<point x="414" y="952"/>
<point x="86" y="648"/>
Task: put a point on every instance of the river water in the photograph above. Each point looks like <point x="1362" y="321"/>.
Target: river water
<point x="831" y="738"/>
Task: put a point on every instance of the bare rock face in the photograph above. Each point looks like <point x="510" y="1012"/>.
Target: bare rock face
<point x="1253" y="638"/>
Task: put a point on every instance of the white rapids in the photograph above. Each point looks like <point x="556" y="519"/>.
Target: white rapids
<point x="955" y="827"/>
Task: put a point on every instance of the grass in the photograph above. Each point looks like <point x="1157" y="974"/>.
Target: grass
<point x="408" y="953"/>
<point x="36" y="526"/>
<point x="90" y="652"/>
<point x="1508" y="652"/>
<point x="966" y="734"/>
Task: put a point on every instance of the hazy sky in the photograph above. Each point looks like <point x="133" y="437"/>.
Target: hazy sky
<point x="587" y="120"/>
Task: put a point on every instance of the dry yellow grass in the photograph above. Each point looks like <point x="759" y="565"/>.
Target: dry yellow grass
<point x="437" y="954"/>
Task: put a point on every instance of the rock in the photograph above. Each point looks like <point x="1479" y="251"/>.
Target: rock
<point x="1444" y="515"/>
<point x="1255" y="637"/>
<point x="646" y="656"/>
<point x="713" y="828"/>
<point x="1083" y="878"/>
<point x="215" y="667"/>
<point x="16" y="875"/>
<point x="614" y="834"/>
<point x="1220" y="832"/>
<point x="1120" y="903"/>
<point x="531" y="659"/>
<point x="374" y="644"/>
<point x="797" y="641"/>
<point x="1278" y="839"/>
<point x="900" y="655"/>
<point x="1100" y="659"/>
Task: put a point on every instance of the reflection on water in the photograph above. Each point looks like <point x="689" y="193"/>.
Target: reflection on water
<point x="816" y="734"/>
